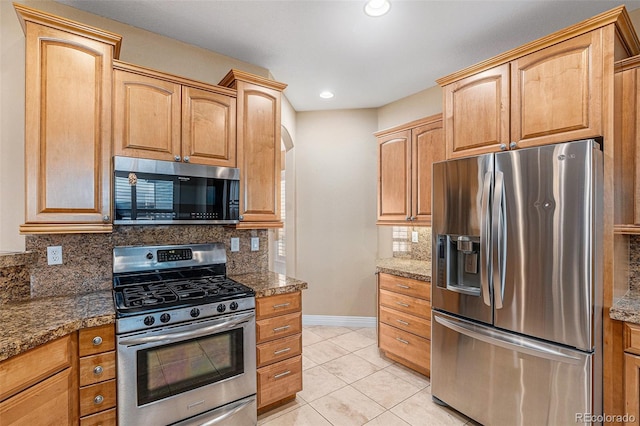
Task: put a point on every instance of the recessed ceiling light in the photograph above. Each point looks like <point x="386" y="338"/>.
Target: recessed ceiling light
<point x="326" y="94"/>
<point x="377" y="7"/>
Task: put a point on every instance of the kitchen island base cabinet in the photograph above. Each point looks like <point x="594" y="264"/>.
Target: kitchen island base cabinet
<point x="279" y="349"/>
<point x="404" y="321"/>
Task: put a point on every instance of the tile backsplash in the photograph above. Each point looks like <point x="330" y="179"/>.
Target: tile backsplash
<point x="404" y="248"/>
<point x="87" y="258"/>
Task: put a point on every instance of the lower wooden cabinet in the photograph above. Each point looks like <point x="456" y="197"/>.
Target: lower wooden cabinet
<point x="40" y="385"/>
<point x="97" y="373"/>
<point x="279" y="349"/>
<point x="631" y="338"/>
<point x="404" y="321"/>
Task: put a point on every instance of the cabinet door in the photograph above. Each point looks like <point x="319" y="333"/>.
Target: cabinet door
<point x="394" y="177"/>
<point x="258" y="152"/>
<point x="208" y="127"/>
<point x="427" y="147"/>
<point x="50" y="402"/>
<point x="632" y="388"/>
<point x="557" y="92"/>
<point x="477" y="113"/>
<point x="147" y="117"/>
<point x="67" y="132"/>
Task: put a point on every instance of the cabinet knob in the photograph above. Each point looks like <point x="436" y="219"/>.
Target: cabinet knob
<point x="97" y="341"/>
<point x="99" y="399"/>
<point x="503" y="146"/>
<point x="408" y="217"/>
<point x="186" y="159"/>
<point x="98" y="370"/>
<point x="513" y="145"/>
<point x="240" y="217"/>
<point x="177" y="158"/>
<point x="105" y="218"/>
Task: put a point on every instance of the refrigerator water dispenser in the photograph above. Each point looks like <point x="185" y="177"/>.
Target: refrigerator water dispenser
<point x="458" y="263"/>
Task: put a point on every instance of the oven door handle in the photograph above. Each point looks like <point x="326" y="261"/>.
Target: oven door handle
<point x="195" y="332"/>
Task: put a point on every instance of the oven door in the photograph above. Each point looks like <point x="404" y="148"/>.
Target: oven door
<point x="173" y="373"/>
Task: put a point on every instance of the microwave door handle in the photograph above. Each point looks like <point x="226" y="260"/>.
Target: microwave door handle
<point x="498" y="235"/>
<point x="485" y="239"/>
<point x="196" y="332"/>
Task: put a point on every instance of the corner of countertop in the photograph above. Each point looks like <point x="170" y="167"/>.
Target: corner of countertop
<point x="269" y="283"/>
<point x="408" y="268"/>
<point x="627" y="308"/>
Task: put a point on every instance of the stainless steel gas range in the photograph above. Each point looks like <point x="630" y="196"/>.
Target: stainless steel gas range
<point x="185" y="338"/>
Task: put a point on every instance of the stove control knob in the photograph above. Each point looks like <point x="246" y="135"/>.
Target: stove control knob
<point x="233" y="306"/>
<point x="195" y="312"/>
<point x="149" y="255"/>
<point x="149" y="320"/>
<point x="165" y="317"/>
<point x="221" y="307"/>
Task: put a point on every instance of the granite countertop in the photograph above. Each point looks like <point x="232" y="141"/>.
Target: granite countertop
<point x="33" y="322"/>
<point x="269" y="283"/>
<point x="408" y="268"/>
<point x="627" y="308"/>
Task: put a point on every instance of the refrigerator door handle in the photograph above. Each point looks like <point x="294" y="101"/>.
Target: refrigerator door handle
<point x="509" y="342"/>
<point x="498" y="240"/>
<point x="485" y="239"/>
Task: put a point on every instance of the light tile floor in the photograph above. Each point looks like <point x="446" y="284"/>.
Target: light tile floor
<point x="346" y="382"/>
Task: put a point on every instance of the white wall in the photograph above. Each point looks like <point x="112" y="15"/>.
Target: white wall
<point x="335" y="223"/>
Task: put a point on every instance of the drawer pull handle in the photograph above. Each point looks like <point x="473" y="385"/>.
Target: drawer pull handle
<point x="97" y="341"/>
<point x="402" y="341"/>
<point x="286" y="373"/>
<point x="402" y="322"/>
<point x="281" y="351"/>
<point x="99" y="399"/>
<point x="403" y="286"/>
<point x="404" y="305"/>
<point x="283" y="328"/>
<point x="98" y="370"/>
<point x="281" y="305"/>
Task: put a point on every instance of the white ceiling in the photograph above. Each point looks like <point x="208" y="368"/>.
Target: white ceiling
<point x="316" y="45"/>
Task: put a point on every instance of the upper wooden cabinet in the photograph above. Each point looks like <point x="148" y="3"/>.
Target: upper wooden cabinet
<point x="166" y="117"/>
<point x="68" y="85"/>
<point x="552" y="90"/>
<point x="405" y="156"/>
<point x="258" y="145"/>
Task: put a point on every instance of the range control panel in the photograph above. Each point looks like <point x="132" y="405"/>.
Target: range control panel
<point x="174" y="255"/>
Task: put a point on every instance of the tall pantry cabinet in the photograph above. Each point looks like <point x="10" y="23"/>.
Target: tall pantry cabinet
<point x="67" y="124"/>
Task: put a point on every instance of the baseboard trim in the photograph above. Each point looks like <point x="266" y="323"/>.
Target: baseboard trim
<point x="338" y="321"/>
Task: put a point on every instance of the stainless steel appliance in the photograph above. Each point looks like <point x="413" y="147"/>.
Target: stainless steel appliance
<point x="185" y="334"/>
<point x="516" y="291"/>
<point x="165" y="192"/>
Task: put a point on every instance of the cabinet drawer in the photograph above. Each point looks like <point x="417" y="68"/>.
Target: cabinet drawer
<point x="276" y="327"/>
<point x="104" y="418"/>
<point x="406" y="322"/>
<point x="98" y="397"/>
<point x="406" y="304"/>
<point x="96" y="339"/>
<point x="632" y="338"/>
<point x="279" y="380"/>
<point x="415" y="288"/>
<point x="97" y="368"/>
<point x="279" y="349"/>
<point x="24" y="370"/>
<point x="414" y="349"/>
<point x="281" y="304"/>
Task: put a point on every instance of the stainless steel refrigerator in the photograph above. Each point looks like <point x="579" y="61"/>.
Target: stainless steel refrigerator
<point x="517" y="285"/>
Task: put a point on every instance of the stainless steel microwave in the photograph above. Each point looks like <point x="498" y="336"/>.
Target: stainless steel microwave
<point x="165" y="192"/>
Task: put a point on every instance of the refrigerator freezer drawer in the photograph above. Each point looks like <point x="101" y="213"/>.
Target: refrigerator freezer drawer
<point x="407" y="304"/>
<point x="499" y="378"/>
